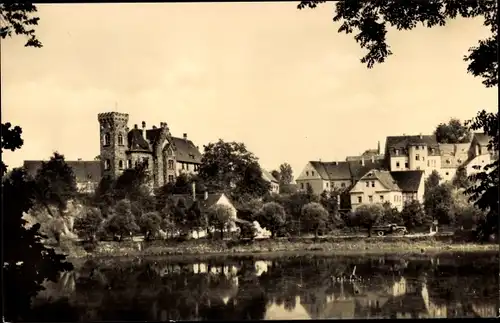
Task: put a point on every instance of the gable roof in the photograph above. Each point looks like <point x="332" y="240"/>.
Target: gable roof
<point x="84" y="170"/>
<point x="211" y="200"/>
<point x="332" y="170"/>
<point x="408" y="181"/>
<point x="402" y="142"/>
<point x="482" y="138"/>
<point x="358" y="170"/>
<point x="268" y="176"/>
<point x="384" y="177"/>
<point x="136" y="141"/>
<point x="186" y="151"/>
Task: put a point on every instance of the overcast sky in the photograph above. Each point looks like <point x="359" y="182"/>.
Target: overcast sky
<point x="282" y="81"/>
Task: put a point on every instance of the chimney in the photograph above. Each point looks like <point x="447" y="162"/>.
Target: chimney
<point x="205" y="195"/>
<point x="135" y="126"/>
<point x="420" y="135"/>
<point x="185" y="136"/>
<point x="193" y="188"/>
<point x="144" y="129"/>
<point x="362" y="161"/>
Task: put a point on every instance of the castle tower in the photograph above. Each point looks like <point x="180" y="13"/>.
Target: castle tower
<point x="113" y="142"/>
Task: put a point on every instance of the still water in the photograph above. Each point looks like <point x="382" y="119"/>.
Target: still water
<point x="253" y="288"/>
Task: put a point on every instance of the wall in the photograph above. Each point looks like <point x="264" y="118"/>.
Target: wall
<point x="361" y="190"/>
<point x="338" y="184"/>
<point x="433" y="163"/>
<point x="419" y="151"/>
<point x="138" y="157"/>
<point x="481" y="160"/>
<point x="318" y="185"/>
<point x="398" y="159"/>
<point x="275" y="188"/>
<point x="188" y="168"/>
<point x="447" y="174"/>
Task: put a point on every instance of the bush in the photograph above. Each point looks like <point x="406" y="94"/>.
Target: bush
<point x="315" y="216"/>
<point x="272" y="216"/>
<point x="122" y="222"/>
<point x="88" y="225"/>
<point x="369" y="215"/>
<point x="149" y="224"/>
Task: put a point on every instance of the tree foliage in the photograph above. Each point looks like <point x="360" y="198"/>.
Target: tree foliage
<point x="56" y="182"/>
<point x="11" y="140"/>
<point x="369" y="215"/>
<point x="220" y="216"/>
<point x="122" y="222"/>
<point x="438" y="202"/>
<point x="149" y="224"/>
<point x="453" y="132"/>
<point x="369" y="19"/>
<point x="432" y="181"/>
<point x="272" y="216"/>
<point x="461" y="180"/>
<point x="484" y="188"/>
<point x="316" y="216"/>
<point x="19" y="19"/>
<point x="391" y="214"/>
<point x="252" y="184"/>
<point x="414" y="217"/>
<point x="286" y="174"/>
<point x="88" y="225"/>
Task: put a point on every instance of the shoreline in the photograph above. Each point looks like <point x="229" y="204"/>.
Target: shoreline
<point x="401" y="246"/>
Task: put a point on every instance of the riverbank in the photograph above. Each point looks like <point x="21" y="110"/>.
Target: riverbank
<point x="330" y="246"/>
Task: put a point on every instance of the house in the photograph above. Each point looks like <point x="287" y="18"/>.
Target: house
<point x="165" y="156"/>
<point x="376" y="186"/>
<point x="478" y="154"/>
<point x="453" y="156"/>
<point x="206" y="201"/>
<point x="416" y="152"/>
<point x="87" y="173"/>
<point x="275" y="185"/>
<point x="329" y="176"/>
<point x="411" y="183"/>
<point x="368" y="154"/>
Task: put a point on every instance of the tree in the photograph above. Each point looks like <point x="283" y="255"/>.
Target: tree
<point x="122" y="222"/>
<point x="330" y="201"/>
<point x="249" y="209"/>
<point x="149" y="224"/>
<point x="316" y="216"/>
<point x="56" y="182"/>
<point x="27" y="263"/>
<point x="252" y="184"/>
<point x="196" y="218"/>
<point x="432" y="181"/>
<point x="461" y="180"/>
<point x="132" y="183"/>
<point x="11" y="140"/>
<point x="18" y="18"/>
<point x="438" y="202"/>
<point x="272" y="216"/>
<point x="286" y="174"/>
<point x="369" y="215"/>
<point x="484" y="189"/>
<point x="391" y="214"/>
<point x="413" y="215"/>
<point x="223" y="164"/>
<point x="370" y="18"/>
<point x="88" y="225"/>
<point x="219" y="216"/>
<point x="453" y="132"/>
<point x="277" y="175"/>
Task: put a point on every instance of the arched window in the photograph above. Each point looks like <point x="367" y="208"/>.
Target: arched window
<point x="107" y="139"/>
<point x="129" y="163"/>
<point x="107" y="164"/>
<point x="120" y="164"/>
<point x="170" y="164"/>
<point x="120" y="140"/>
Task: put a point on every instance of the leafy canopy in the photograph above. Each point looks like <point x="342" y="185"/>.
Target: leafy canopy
<point x="369" y="19"/>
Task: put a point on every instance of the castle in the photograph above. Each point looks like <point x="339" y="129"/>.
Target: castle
<point x="165" y="156"/>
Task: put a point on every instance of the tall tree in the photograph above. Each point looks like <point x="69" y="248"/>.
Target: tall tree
<point x="277" y="175"/>
<point x="56" y="182"/>
<point x="484" y="188"/>
<point x="369" y="215"/>
<point x="370" y="19"/>
<point x="432" y="181"/>
<point x="272" y="216"/>
<point x="453" y="132"/>
<point x="315" y="216"/>
<point x="413" y="215"/>
<point x="461" y="180"/>
<point x="286" y="174"/>
<point x="252" y="184"/>
<point x="438" y="202"/>
<point x="219" y="216"/>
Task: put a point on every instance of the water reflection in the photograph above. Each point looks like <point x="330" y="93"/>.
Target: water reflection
<point x="286" y="288"/>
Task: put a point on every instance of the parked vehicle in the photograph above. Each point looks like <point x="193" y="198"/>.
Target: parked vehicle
<point x="391" y="228"/>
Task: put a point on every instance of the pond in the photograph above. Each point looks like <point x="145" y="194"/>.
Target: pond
<point x="267" y="288"/>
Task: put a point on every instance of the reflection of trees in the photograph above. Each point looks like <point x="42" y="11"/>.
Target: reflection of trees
<point x="160" y="291"/>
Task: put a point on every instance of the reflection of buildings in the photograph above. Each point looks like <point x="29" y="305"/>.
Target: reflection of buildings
<point x="280" y="312"/>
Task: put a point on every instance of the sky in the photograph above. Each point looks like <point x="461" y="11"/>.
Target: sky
<point x="281" y="80"/>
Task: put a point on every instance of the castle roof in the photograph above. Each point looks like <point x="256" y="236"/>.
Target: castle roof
<point x="136" y="141"/>
<point x="84" y="170"/>
<point x="185" y="150"/>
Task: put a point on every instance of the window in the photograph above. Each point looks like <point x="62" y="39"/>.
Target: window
<point x="302" y="185"/>
<point x="145" y="160"/>
<point x="417" y="157"/>
<point x="448" y="161"/>
<point x="170" y="178"/>
<point x="183" y="167"/>
<point x="170" y="164"/>
<point x="120" y="140"/>
<point x="326" y="184"/>
<point x="396" y="151"/>
<point x="370" y="198"/>
<point x="417" y="147"/>
<point x="107" y="139"/>
<point x="423" y="158"/>
<point x="432" y="150"/>
<point x="312" y="173"/>
<point x="307" y="173"/>
<point x="395" y="198"/>
<point x="129" y="163"/>
<point x="360" y="199"/>
<point x="381" y="198"/>
<point x="406" y="165"/>
<point x="397" y="164"/>
<point x="428" y="163"/>
<point x="196" y="167"/>
<point x="342" y="185"/>
<point x="120" y="164"/>
<point x="459" y="161"/>
<point x="367" y="184"/>
<point x="107" y="164"/>
<point x="373" y="184"/>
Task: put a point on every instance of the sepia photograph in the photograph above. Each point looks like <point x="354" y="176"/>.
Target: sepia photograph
<point x="278" y="160"/>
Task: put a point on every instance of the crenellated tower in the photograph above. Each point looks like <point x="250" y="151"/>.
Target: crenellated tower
<point x="113" y="142"/>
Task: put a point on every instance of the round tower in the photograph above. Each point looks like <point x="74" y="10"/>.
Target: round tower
<point x="113" y="142"/>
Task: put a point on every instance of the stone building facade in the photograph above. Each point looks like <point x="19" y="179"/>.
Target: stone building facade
<point x="122" y="148"/>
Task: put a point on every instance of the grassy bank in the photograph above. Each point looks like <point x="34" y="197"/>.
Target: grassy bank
<point x="330" y="246"/>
